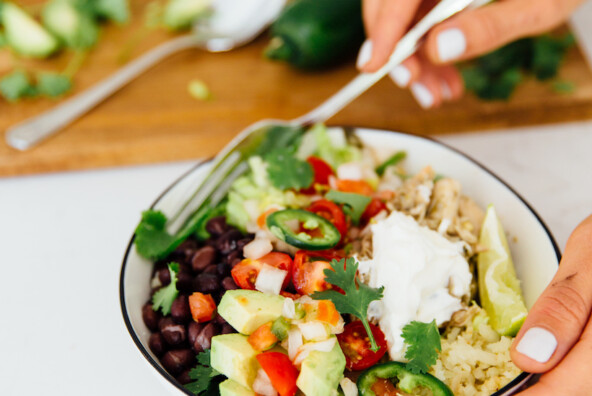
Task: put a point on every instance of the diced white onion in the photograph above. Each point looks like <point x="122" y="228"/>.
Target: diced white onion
<point x="333" y="182"/>
<point x="304" y="299"/>
<point x="262" y="384"/>
<point x="155" y="281"/>
<point x="349" y="387"/>
<point x="350" y="171"/>
<point x="257" y="248"/>
<point x="289" y="309"/>
<point x="294" y="342"/>
<point x="313" y="331"/>
<point x="306" y="349"/>
<point x="270" y="279"/>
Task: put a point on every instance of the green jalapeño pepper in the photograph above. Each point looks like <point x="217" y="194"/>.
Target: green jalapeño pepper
<point x="402" y="378"/>
<point x="303" y="229"/>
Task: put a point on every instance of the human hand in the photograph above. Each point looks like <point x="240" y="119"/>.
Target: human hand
<point x="430" y="74"/>
<point x="556" y="338"/>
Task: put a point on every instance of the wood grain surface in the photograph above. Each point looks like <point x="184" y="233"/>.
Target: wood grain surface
<point x="154" y="119"/>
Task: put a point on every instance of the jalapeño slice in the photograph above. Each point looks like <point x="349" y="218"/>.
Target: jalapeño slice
<point x="303" y="229"/>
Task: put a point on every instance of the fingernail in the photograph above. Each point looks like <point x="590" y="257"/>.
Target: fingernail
<point x="365" y="54"/>
<point x="538" y="344"/>
<point x="451" y="44"/>
<point x="445" y="91"/>
<point x="401" y="76"/>
<point x="423" y="95"/>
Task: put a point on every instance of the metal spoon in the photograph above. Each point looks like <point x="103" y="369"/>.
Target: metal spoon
<point x="232" y="24"/>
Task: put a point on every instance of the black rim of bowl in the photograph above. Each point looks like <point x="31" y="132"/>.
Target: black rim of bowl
<point x="519" y="380"/>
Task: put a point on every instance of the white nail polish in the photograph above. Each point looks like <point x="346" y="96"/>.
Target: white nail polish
<point x="401" y="76"/>
<point x="445" y="91"/>
<point x="365" y="54"/>
<point x="451" y="44"/>
<point x="538" y="344"/>
<point x="423" y="95"/>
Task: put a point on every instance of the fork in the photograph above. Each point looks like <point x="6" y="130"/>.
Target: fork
<point x="265" y="135"/>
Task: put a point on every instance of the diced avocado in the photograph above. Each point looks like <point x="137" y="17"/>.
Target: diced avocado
<point x="246" y="310"/>
<point x="74" y="27"/>
<point x="24" y="34"/>
<point x="180" y="14"/>
<point x="321" y="372"/>
<point x="233" y="388"/>
<point x="233" y="356"/>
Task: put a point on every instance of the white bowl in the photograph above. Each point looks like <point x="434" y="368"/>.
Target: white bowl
<point x="534" y="250"/>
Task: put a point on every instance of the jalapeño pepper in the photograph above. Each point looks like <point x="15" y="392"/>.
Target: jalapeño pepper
<point x="403" y="378"/>
<point x="303" y="229"/>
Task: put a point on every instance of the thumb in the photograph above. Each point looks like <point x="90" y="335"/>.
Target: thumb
<point x="556" y="321"/>
<point x="482" y="30"/>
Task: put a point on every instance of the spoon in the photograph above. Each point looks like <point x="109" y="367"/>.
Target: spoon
<point x="231" y="24"/>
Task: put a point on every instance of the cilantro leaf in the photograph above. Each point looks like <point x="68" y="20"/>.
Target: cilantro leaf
<point x="206" y="378"/>
<point x="163" y="298"/>
<point x="115" y="10"/>
<point x="16" y="85"/>
<point x="357" y="297"/>
<point x="286" y="171"/>
<point x="423" y="345"/>
<point x="53" y="85"/>
<point x="354" y="204"/>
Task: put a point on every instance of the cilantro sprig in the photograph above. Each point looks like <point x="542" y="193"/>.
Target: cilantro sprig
<point x="357" y="295"/>
<point x="286" y="171"/>
<point x="354" y="204"/>
<point x="163" y="298"/>
<point x="423" y="345"/>
<point x="205" y="378"/>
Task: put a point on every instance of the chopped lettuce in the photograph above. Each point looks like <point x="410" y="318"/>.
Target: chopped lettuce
<point x="333" y="152"/>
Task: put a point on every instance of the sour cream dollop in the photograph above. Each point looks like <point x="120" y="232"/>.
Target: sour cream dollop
<point x="424" y="277"/>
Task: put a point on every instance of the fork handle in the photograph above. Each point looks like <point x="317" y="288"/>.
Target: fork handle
<point x="33" y="130"/>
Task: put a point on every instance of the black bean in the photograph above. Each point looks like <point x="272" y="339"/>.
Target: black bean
<point x="216" y="226"/>
<point x="206" y="283"/>
<point x="204" y="338"/>
<point x="184" y="378"/>
<point x="177" y="360"/>
<point x="223" y="269"/>
<point x="193" y="331"/>
<point x="156" y="344"/>
<point x="228" y="283"/>
<point x="211" y="269"/>
<point x="234" y="255"/>
<point x="185" y="282"/>
<point x="234" y="262"/>
<point x="203" y="257"/>
<point x="174" y="334"/>
<point x="180" y="311"/>
<point x="164" y="275"/>
<point x="227" y="329"/>
<point x="226" y="243"/>
<point x="151" y="317"/>
<point x="219" y="319"/>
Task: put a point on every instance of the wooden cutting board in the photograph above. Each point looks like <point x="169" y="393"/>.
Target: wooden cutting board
<point x="154" y="119"/>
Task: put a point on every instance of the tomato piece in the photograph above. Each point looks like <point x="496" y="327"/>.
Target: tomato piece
<point x="263" y="217"/>
<point x="355" y="186"/>
<point x="326" y="312"/>
<point x="308" y="273"/>
<point x="293" y="296"/>
<point x="202" y="307"/>
<point x="322" y="171"/>
<point x="384" y="387"/>
<point x="262" y="339"/>
<point x="281" y="372"/>
<point x="374" y="207"/>
<point x="332" y="212"/>
<point x="355" y="345"/>
<point x="245" y="273"/>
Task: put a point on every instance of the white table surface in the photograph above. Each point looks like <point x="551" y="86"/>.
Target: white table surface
<point x="62" y="239"/>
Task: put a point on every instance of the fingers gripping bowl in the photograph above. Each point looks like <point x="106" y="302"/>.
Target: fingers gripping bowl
<point x="534" y="251"/>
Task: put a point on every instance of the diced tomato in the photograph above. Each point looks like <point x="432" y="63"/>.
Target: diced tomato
<point x="374" y="207"/>
<point x="263" y="217"/>
<point x="355" y="345"/>
<point x="355" y="186"/>
<point x="245" y="273"/>
<point x="281" y="372"/>
<point x="332" y="212"/>
<point x="326" y="312"/>
<point x="202" y="307"/>
<point x="322" y="171"/>
<point x="308" y="273"/>
<point x="262" y="339"/>
<point x="384" y="387"/>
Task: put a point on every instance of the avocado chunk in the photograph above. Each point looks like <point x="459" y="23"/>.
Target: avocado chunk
<point x="24" y="35"/>
<point x="233" y="388"/>
<point x="74" y="27"/>
<point x="180" y="14"/>
<point x="321" y="372"/>
<point x="233" y="356"/>
<point x="246" y="310"/>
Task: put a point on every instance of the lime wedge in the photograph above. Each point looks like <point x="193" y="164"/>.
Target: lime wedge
<point x="499" y="288"/>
